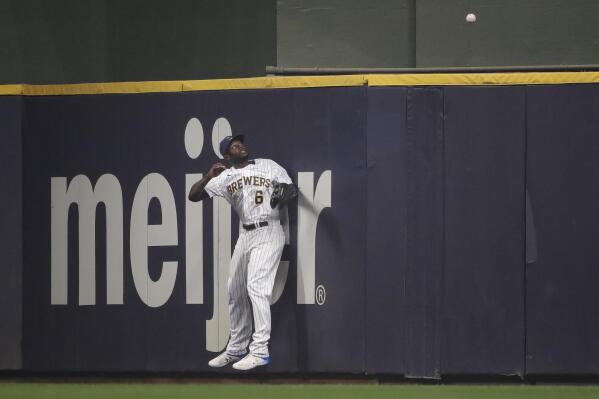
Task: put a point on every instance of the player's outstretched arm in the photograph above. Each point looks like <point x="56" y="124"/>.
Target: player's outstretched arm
<point x="197" y="190"/>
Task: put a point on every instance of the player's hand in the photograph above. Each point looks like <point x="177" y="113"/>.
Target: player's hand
<point x="216" y="170"/>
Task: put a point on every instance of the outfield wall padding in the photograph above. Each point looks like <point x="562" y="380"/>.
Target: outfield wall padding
<point x="11" y="179"/>
<point x="483" y="290"/>
<point x="409" y="248"/>
<point x="562" y="175"/>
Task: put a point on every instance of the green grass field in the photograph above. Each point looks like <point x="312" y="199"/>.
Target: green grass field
<point x="292" y="391"/>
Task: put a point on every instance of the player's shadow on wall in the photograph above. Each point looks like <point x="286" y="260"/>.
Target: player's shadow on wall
<point x="328" y="236"/>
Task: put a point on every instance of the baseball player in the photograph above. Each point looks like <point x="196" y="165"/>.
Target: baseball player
<point x="256" y="189"/>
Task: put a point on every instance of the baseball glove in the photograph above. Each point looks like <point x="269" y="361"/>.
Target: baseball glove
<point x="282" y="194"/>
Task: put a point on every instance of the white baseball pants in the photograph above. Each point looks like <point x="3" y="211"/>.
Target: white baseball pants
<point x="253" y="269"/>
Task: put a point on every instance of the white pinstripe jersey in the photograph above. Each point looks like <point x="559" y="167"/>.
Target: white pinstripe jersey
<point x="248" y="189"/>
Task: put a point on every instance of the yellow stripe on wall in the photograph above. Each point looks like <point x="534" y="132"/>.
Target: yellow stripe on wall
<point x="288" y="82"/>
<point x="102" y="88"/>
<point x="278" y="82"/>
<point x="11" y="90"/>
<point x="275" y="82"/>
<point x="469" y="79"/>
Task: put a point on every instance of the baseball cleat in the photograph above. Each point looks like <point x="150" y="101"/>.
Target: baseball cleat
<point x="251" y="361"/>
<point x="223" y="359"/>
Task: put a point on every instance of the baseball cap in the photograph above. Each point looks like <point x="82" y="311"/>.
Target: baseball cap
<point x="226" y="142"/>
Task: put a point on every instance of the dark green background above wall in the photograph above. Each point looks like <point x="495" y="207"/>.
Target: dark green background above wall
<point x="67" y="41"/>
<point x="345" y="33"/>
<point x="507" y="32"/>
<point x="434" y="33"/>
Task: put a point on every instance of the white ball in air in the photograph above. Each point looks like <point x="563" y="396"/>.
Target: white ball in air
<point x="471" y="18"/>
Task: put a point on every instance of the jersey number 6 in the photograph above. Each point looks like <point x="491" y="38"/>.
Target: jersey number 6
<point x="259" y="197"/>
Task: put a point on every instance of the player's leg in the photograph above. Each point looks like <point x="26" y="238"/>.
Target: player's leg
<point x="239" y="308"/>
<point x="265" y="255"/>
<point x="239" y="304"/>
